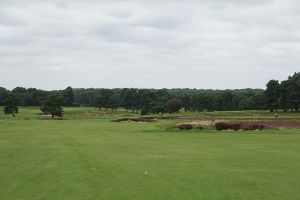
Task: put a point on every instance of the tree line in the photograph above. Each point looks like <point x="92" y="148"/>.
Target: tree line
<point x="284" y="95"/>
<point x="278" y="95"/>
<point x="50" y="102"/>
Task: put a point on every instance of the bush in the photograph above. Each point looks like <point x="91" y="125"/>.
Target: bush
<point x="228" y="126"/>
<point x="221" y="126"/>
<point x="237" y="126"/>
<point x="184" y="126"/>
<point x="252" y="127"/>
<point x="173" y="105"/>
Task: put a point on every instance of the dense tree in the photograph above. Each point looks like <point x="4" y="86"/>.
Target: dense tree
<point x="144" y="101"/>
<point x="3" y="95"/>
<point x="157" y="108"/>
<point x="112" y="101"/>
<point x="86" y="97"/>
<point x="256" y="102"/>
<point x="20" y="93"/>
<point x="68" y="96"/>
<point x="174" y="105"/>
<point x="147" y="97"/>
<point x="294" y="91"/>
<point x="246" y="104"/>
<point x="126" y="98"/>
<point x="11" y="105"/>
<point x="107" y="96"/>
<point x="186" y="102"/>
<point x="159" y="105"/>
<point x="136" y="99"/>
<point x="272" y="94"/>
<point x="53" y="105"/>
<point x="99" y="102"/>
<point x="284" y="95"/>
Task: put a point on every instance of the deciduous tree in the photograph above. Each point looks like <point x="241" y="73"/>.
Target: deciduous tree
<point x="11" y="105"/>
<point x="53" y="105"/>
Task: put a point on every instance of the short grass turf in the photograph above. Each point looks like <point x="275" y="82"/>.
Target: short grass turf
<point x="89" y="159"/>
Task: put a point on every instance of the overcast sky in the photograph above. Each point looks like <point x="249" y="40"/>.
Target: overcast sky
<point x="148" y="43"/>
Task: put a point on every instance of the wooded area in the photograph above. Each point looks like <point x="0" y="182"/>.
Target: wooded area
<point x="278" y="95"/>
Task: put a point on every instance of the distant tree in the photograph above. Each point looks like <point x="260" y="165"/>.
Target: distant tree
<point x="34" y="97"/>
<point x="272" y="95"/>
<point x="126" y="98"/>
<point x="85" y="97"/>
<point x="258" y="101"/>
<point x="174" y="105"/>
<point x="147" y="101"/>
<point x="99" y="102"/>
<point x="186" y="102"/>
<point x="246" y="104"/>
<point x="294" y="91"/>
<point x="228" y="99"/>
<point x="53" y="105"/>
<point x="209" y="99"/>
<point x="135" y="101"/>
<point x="112" y="102"/>
<point x="218" y="102"/>
<point x="68" y="96"/>
<point x="20" y="93"/>
<point x="11" y="106"/>
<point x="158" y="107"/>
<point x="153" y="101"/>
<point x="3" y="95"/>
<point x="147" y="98"/>
<point x="106" y="96"/>
<point x="284" y="95"/>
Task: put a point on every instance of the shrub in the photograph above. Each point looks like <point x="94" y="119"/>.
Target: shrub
<point x="252" y="127"/>
<point x="228" y="126"/>
<point x="221" y="126"/>
<point x="184" y="126"/>
<point x="173" y="105"/>
<point x="236" y="126"/>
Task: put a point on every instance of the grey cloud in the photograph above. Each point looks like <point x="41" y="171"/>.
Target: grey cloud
<point x="139" y="43"/>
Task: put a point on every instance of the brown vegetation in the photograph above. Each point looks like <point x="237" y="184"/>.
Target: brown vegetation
<point x="184" y="126"/>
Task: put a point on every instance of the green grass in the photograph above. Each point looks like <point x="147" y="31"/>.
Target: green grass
<point x="88" y="157"/>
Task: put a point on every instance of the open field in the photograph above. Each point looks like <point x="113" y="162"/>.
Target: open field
<point x="86" y="156"/>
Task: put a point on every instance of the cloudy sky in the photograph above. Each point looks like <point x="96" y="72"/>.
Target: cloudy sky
<point x="148" y="44"/>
